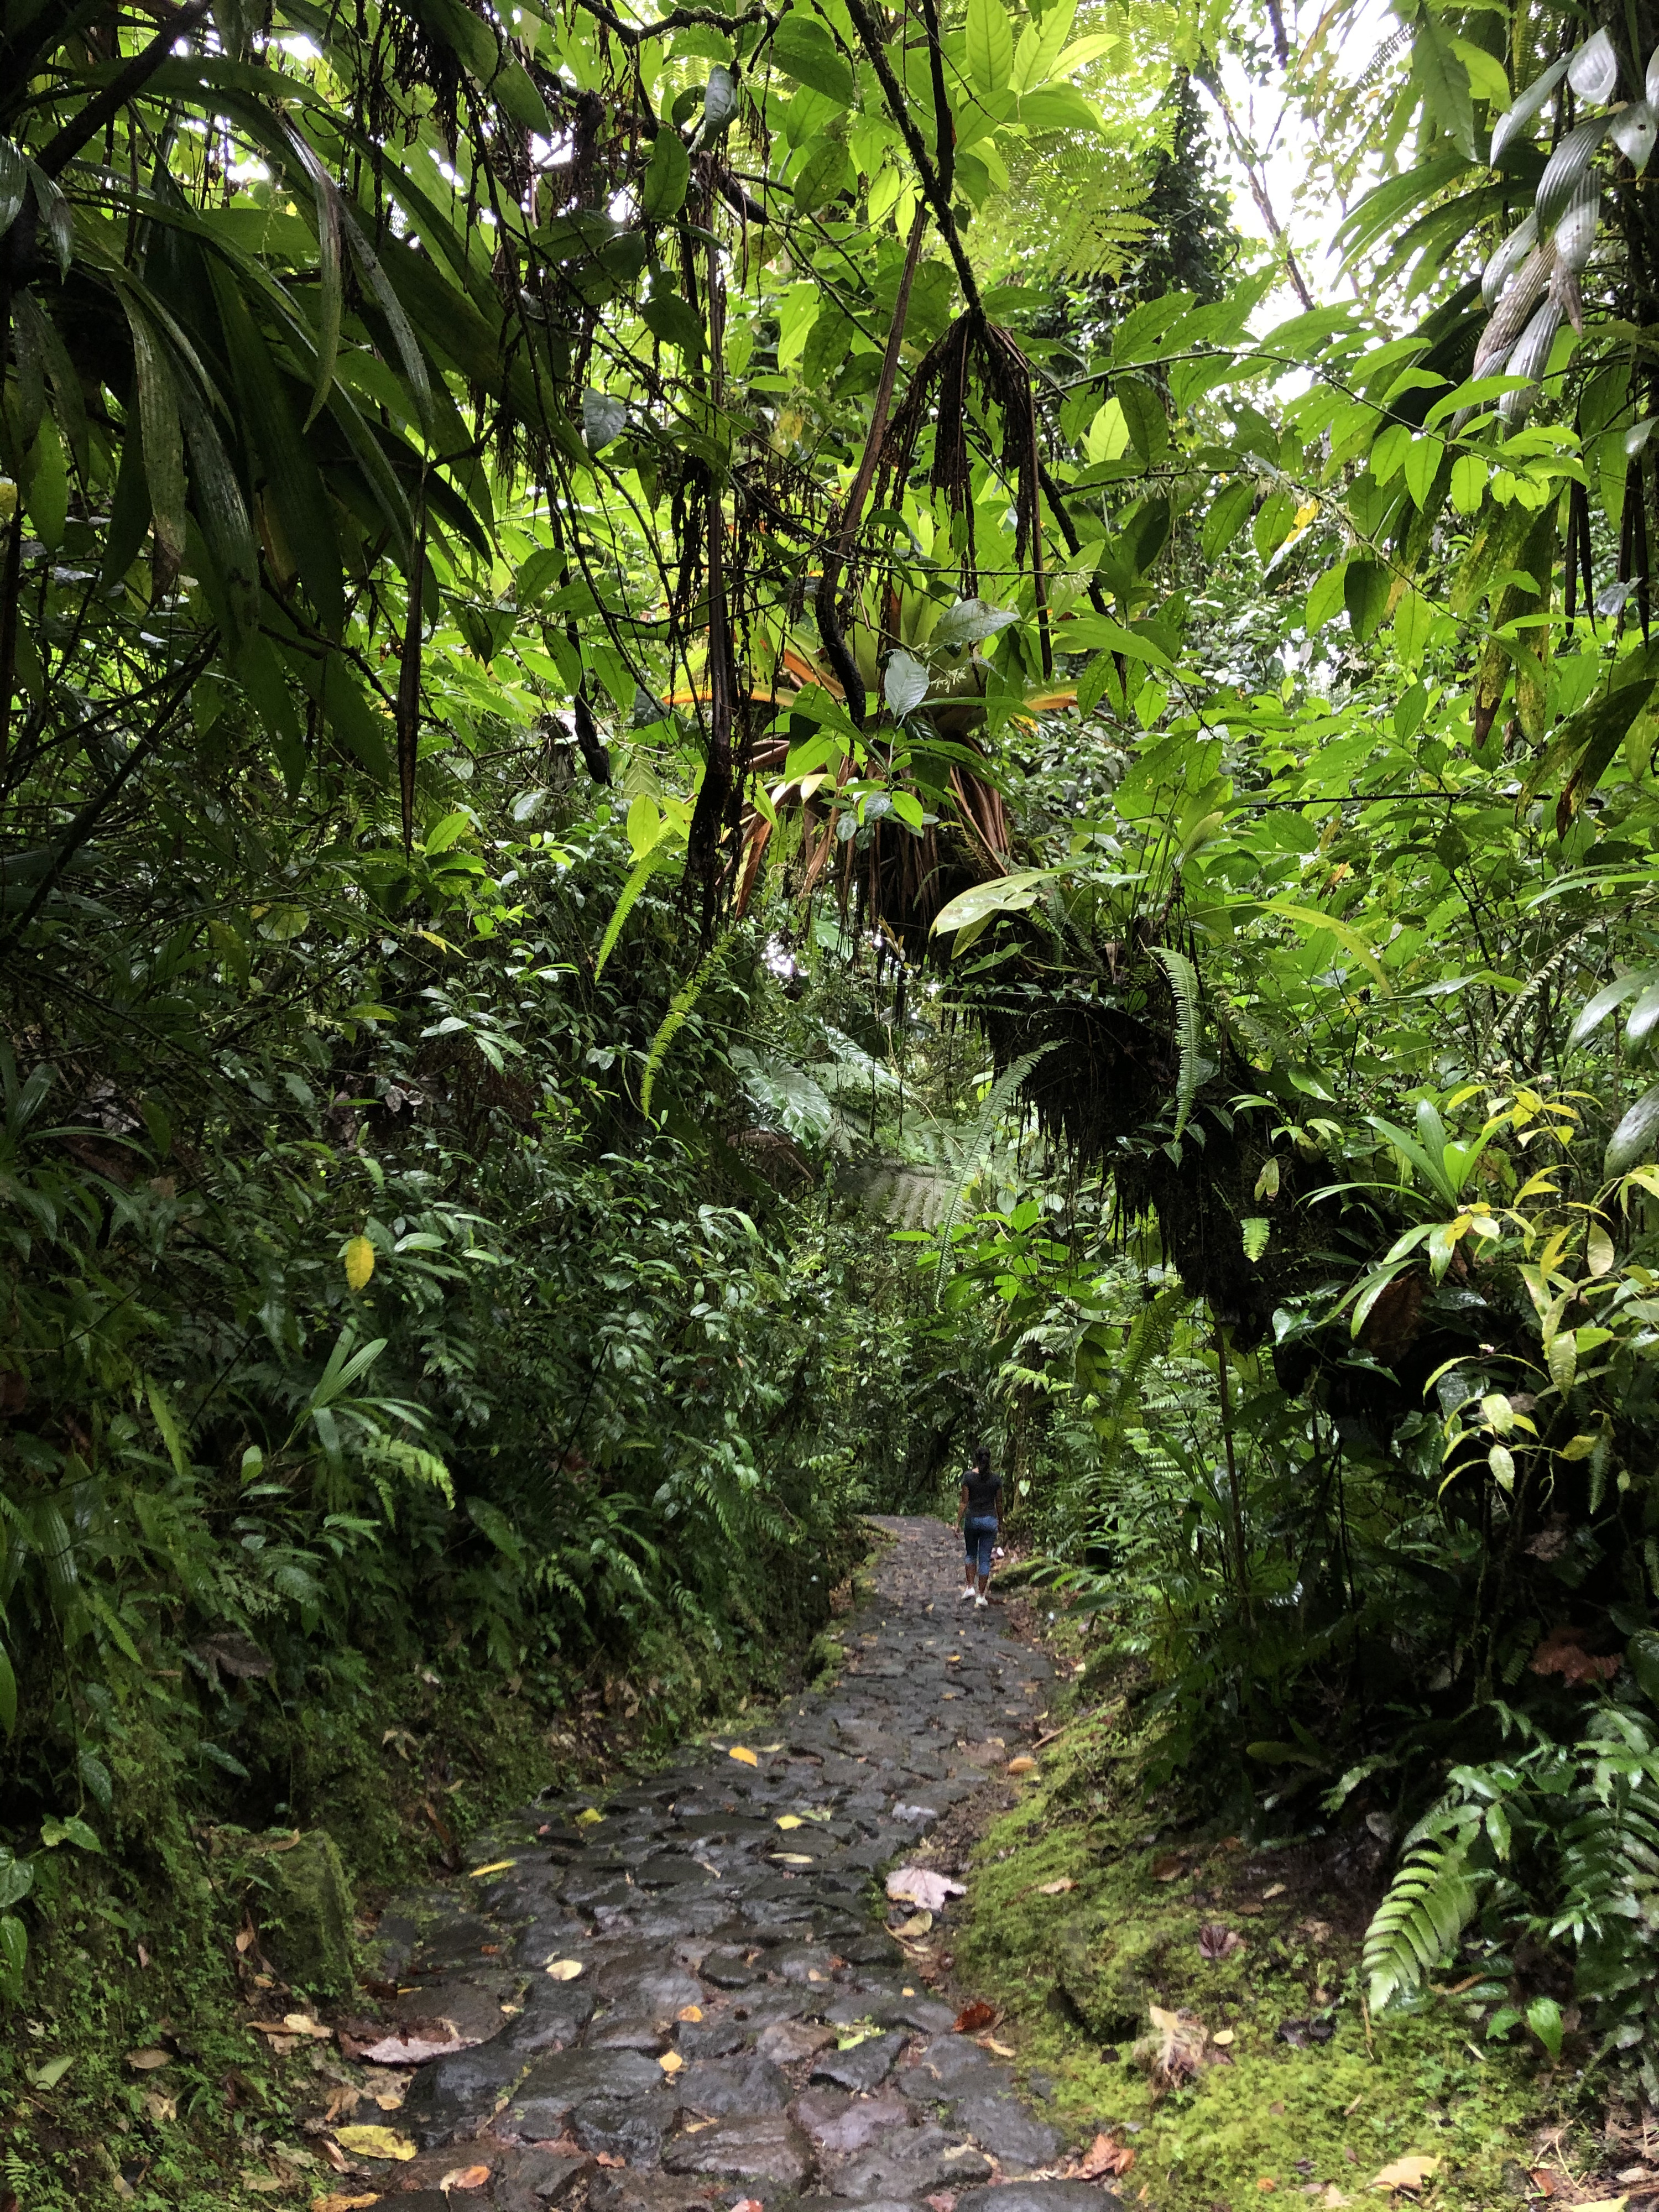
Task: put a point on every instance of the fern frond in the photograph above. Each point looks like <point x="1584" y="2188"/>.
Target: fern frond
<point x="679" y="1008"/>
<point x="1431" y="1901"/>
<point x="658" y="858"/>
<point x="971" y="1155"/>
<point x="1183" y="982"/>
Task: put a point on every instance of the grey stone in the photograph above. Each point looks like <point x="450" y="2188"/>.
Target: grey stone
<point x="628" y="2032"/>
<point x="952" y="2066"/>
<point x="632" y="2130"/>
<point x="1041" y="2197"/>
<point x="558" y="2083"/>
<point x="766" y="2149"/>
<point x="745" y="2085"/>
<point x="862" y="2067"/>
<point x="912" y="2164"/>
<point x="648" y="2192"/>
<point x="670" y="1869"/>
<point x="729" y="1969"/>
<point x="787" y="2042"/>
<point x="1001" y="2125"/>
<point x="840" y="2124"/>
<point x="453" y="2096"/>
<point x="711" y="2039"/>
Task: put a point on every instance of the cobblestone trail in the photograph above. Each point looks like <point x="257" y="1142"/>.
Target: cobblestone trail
<point x="742" y="2027"/>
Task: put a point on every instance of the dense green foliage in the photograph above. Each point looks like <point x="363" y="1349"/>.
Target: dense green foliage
<point x="636" y="656"/>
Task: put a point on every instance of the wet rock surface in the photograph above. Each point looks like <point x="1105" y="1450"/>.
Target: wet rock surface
<point x="726" y="2017"/>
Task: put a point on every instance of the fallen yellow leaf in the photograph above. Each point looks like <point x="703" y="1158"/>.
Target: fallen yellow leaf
<point x="1604" y="2204"/>
<point x="374" y="2142"/>
<point x="690" y="2012"/>
<point x="791" y="1858"/>
<point x="1023" y="1765"/>
<point x="564" y="1970"/>
<point x="1002" y="2049"/>
<point x="742" y="1751"/>
<point x="1223" y="2036"/>
<point x="301" y="2023"/>
<point x="495" y="1866"/>
<point x="790" y="1820"/>
<point x="1406" y="2173"/>
<point x="917" y="1925"/>
<point x="671" y="2061"/>
<point x="343" y="2204"/>
<point x="587" y="1817"/>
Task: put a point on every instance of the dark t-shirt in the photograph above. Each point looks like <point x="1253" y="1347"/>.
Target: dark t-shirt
<point x="983" y="1492"/>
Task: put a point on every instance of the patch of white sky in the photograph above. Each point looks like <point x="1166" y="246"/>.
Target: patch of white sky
<point x="1285" y="140"/>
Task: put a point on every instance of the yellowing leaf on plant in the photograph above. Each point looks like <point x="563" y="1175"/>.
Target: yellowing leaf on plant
<point x="495" y="1866"/>
<point x="1407" y="2173"/>
<point x="671" y="2061"/>
<point x="359" y="1261"/>
<point x="564" y="1970"/>
<point x="374" y="2142"/>
<point x="742" y="1751"/>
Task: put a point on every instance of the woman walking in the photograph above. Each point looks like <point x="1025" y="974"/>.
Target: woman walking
<point x="980" y="1515"/>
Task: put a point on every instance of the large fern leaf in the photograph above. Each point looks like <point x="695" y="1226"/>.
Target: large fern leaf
<point x="1431" y="1901"/>
<point x="971" y="1154"/>
<point x="1183" y="982"/>
<point x="679" y="1007"/>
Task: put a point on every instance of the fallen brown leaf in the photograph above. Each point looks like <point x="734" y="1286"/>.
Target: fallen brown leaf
<point x="1217" y="1941"/>
<point x="564" y="1970"/>
<point x="1169" y="1868"/>
<point x="146" y="2062"/>
<point x="1104" y="2155"/>
<point x="1024" y="1765"/>
<point x="975" y="2016"/>
<point x="1275" y="1889"/>
<point x="335" y="2203"/>
<point x="1407" y="2173"/>
<point x="690" y="2012"/>
<point x="609" y="2157"/>
<point x="1266" y="2184"/>
<point x="465" y="2176"/>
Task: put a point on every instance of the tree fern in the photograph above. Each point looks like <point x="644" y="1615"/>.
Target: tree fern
<point x="971" y="1154"/>
<point x="1431" y="1901"/>
<point x="1183" y="982"/>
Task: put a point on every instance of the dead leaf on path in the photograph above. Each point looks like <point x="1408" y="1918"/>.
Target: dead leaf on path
<point x="1276" y="1890"/>
<point x="944" y="2201"/>
<point x="1002" y="2049"/>
<point x="374" y="2142"/>
<point x="589" y="1817"/>
<point x="671" y="2061"/>
<point x="791" y="1858"/>
<point x="159" y="2108"/>
<point x="742" y="1753"/>
<point x="495" y="1866"/>
<point x="1057" y="1888"/>
<point x="564" y="1970"/>
<point x="1022" y="1765"/>
<point x="1223" y="2036"/>
<point x="1407" y="2173"/>
<point x="610" y="2158"/>
<point x="690" y="2012"/>
<point x="1604" y="2204"/>
<point x="1104" y="2155"/>
<point x="787" y="1820"/>
<point x="413" y="2043"/>
<point x="301" y="2023"/>
<point x="390" y="2101"/>
<point x="921" y="1886"/>
<point x="747" y="2204"/>
<point x="344" y="2204"/>
<point x="1215" y="1941"/>
<point x="146" y="2062"/>
<point x="918" y="1924"/>
<point x="975" y="2016"/>
<point x="464" y="2176"/>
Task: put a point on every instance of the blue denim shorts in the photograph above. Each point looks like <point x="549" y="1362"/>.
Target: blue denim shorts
<point x="979" y="1532"/>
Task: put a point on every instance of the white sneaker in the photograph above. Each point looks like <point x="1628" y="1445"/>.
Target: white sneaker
<point x="963" y="1594"/>
<point x="980" y="1598"/>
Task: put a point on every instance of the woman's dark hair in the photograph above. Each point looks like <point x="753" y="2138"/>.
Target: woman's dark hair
<point x="981" y="1459"/>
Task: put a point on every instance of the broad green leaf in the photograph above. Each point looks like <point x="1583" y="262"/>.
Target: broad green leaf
<point x="990" y="47"/>
<point x="1010" y="894"/>
<point x="803" y="50"/>
<point x="1445" y="77"/>
<point x="667" y="177"/>
<point x="1040" y="45"/>
<point x="1229" y="511"/>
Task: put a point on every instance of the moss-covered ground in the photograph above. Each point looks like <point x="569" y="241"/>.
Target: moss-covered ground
<point x="1086" y="1913"/>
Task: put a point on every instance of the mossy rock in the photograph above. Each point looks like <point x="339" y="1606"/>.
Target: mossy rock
<point x="1105" y="1976"/>
<point x="825" y="1658"/>
<point x="307" y="1930"/>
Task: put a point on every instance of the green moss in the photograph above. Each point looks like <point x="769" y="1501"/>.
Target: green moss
<point x="307" y="1927"/>
<point x="1079" y="1970"/>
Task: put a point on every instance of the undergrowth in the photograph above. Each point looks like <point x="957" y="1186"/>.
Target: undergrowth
<point x="1305" y="2092"/>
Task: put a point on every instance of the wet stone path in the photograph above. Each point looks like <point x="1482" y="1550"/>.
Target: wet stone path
<point x="741" y="2028"/>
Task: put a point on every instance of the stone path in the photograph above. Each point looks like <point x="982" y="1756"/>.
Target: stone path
<point x="742" y="2027"/>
